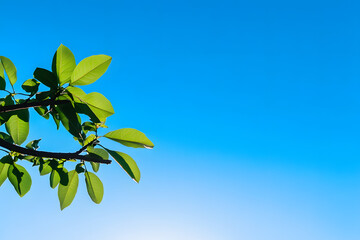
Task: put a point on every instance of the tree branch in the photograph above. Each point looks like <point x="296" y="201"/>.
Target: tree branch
<point x="20" y="106"/>
<point x="85" y="147"/>
<point x="36" y="153"/>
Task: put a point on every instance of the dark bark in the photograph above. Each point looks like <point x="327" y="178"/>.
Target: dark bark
<point x="44" y="154"/>
<point x="20" y="106"/>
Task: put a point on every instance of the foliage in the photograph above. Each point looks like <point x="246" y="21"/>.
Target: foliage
<point x="64" y="103"/>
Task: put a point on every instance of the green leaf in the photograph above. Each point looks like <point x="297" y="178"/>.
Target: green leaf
<point x="90" y="69"/>
<point x="44" y="168"/>
<point x="66" y="193"/>
<point x="130" y="137"/>
<point x="83" y="108"/>
<point x="63" y="64"/>
<point x="2" y="77"/>
<point x="46" y="77"/>
<point x="127" y="163"/>
<point x="10" y="69"/>
<point x="97" y="153"/>
<point x="96" y="102"/>
<point x="3" y="172"/>
<point x="70" y="119"/>
<point x="18" y="126"/>
<point x="64" y="175"/>
<point x="42" y="111"/>
<point x="19" y="178"/>
<point x="6" y="137"/>
<point x="94" y="187"/>
<point x="90" y="138"/>
<point x="79" y="168"/>
<point x="33" y="144"/>
<point x="95" y="166"/>
<point x="31" y="86"/>
<point x="99" y="105"/>
<point x="88" y="126"/>
<point x="44" y="95"/>
<point x="7" y="159"/>
<point x="54" y="178"/>
<point x="56" y="118"/>
<point x="77" y="93"/>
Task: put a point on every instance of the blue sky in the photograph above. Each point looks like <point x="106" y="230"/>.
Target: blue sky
<point x="253" y="107"/>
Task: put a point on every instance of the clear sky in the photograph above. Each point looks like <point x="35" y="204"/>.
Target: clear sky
<point x="253" y="107"/>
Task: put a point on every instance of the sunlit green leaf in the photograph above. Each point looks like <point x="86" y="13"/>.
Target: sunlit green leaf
<point x="10" y="69"/>
<point x="31" y="86"/>
<point x="44" y="168"/>
<point x="19" y="178"/>
<point x="95" y="166"/>
<point x="130" y="137"/>
<point x="42" y="111"/>
<point x="89" y="139"/>
<point x="99" y="105"/>
<point x="63" y="64"/>
<point x="66" y="193"/>
<point x="88" y="126"/>
<point x="97" y="153"/>
<point x="94" y="187"/>
<point x="3" y="172"/>
<point x="77" y="93"/>
<point x="127" y="163"/>
<point x="18" y="126"/>
<point x="54" y="178"/>
<point x="90" y="69"/>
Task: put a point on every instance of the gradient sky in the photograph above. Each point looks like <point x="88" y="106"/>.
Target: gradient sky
<point x="253" y="107"/>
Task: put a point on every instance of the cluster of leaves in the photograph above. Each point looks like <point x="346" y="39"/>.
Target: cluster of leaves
<point x="63" y="102"/>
